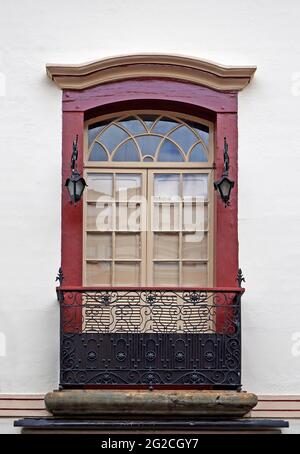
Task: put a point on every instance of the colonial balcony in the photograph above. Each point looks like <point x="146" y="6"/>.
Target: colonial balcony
<point x="150" y="338"/>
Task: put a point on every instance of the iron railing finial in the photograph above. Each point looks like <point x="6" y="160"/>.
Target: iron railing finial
<point x="240" y="277"/>
<point x="60" y="276"/>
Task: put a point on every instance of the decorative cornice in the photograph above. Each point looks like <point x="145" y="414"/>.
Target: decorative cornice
<point x="201" y="72"/>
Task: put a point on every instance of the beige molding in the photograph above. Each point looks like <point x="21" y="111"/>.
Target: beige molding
<point x="201" y="72"/>
<point x="270" y="406"/>
<point x="21" y="405"/>
<point x="277" y="406"/>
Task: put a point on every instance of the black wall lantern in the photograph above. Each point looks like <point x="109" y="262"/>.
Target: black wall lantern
<point x="224" y="184"/>
<point x="75" y="184"/>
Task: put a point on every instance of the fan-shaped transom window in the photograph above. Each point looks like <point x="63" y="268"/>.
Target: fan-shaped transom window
<point x="148" y="138"/>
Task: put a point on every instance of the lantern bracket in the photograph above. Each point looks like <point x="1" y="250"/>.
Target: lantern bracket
<point x="226" y="159"/>
<point x="224" y="185"/>
<point x="74" y="156"/>
<point x="75" y="184"/>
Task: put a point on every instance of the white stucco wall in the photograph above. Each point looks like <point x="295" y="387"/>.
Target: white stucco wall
<point x="261" y="32"/>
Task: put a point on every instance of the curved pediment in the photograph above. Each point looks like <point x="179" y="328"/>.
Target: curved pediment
<point x="201" y="72"/>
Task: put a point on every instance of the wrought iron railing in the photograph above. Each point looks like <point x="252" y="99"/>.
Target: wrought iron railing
<point x="150" y="337"/>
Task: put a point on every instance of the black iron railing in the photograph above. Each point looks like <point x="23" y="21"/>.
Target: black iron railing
<point x="150" y="337"/>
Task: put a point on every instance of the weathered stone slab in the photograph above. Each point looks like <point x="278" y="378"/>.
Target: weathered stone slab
<point x="144" y="402"/>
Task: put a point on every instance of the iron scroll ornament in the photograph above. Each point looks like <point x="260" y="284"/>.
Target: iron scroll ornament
<point x="150" y="337"/>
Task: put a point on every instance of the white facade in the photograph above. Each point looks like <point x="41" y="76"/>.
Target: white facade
<point x="263" y="33"/>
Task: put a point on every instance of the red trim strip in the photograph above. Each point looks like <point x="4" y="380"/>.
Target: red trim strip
<point x="226" y="225"/>
<point x="67" y="288"/>
<point x="72" y="216"/>
<point x="149" y="89"/>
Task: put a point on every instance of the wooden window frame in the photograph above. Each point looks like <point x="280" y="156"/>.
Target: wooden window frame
<point x="210" y="246"/>
<point x="147" y="259"/>
<point x="113" y="260"/>
<point x="207" y="167"/>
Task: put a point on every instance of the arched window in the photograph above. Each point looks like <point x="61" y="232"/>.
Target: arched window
<point x="148" y="138"/>
<point x="149" y="203"/>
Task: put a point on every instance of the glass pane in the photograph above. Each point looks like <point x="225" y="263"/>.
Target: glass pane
<point x="148" y="159"/>
<point x="164" y="125"/>
<point x="95" y="129"/>
<point x="98" y="245"/>
<point x="194" y="246"/>
<point x="195" y="185"/>
<point x="127" y="246"/>
<point x="169" y="152"/>
<point x="194" y="274"/>
<point x="202" y="131"/>
<point x="112" y="136"/>
<point x="149" y="120"/>
<point x="127" y="152"/>
<point x="166" y="217"/>
<point x="99" y="185"/>
<point x="128" y="217"/>
<point x="137" y="218"/>
<point x="98" y="153"/>
<point x="127" y="186"/>
<point x="148" y="144"/>
<point x="166" y="246"/>
<point x="133" y="125"/>
<point x="184" y="137"/>
<point x="99" y="216"/>
<point x="166" y="185"/>
<point x="98" y="273"/>
<point x="195" y="216"/>
<point x="127" y="273"/>
<point x="198" y="154"/>
<point x="166" y="274"/>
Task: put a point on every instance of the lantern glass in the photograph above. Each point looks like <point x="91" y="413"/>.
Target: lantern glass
<point x="225" y="188"/>
<point x="79" y="188"/>
<point x="75" y="186"/>
<point x="70" y="187"/>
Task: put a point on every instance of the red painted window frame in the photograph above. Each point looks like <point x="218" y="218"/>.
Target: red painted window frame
<point x="154" y="93"/>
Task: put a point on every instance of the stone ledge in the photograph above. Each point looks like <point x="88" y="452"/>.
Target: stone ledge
<point x="146" y="403"/>
<point x="137" y="426"/>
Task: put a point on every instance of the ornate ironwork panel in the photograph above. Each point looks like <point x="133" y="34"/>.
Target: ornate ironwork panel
<point x="150" y="337"/>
